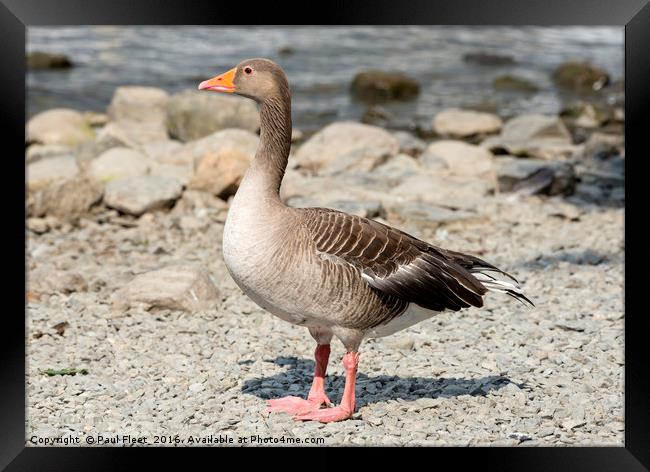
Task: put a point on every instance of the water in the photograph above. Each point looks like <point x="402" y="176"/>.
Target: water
<point x="322" y="66"/>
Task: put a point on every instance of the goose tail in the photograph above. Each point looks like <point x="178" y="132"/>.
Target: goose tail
<point x="509" y="287"/>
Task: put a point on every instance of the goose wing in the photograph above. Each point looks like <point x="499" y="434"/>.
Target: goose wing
<point x="395" y="262"/>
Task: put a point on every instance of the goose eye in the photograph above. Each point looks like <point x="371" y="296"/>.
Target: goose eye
<point x="248" y="70"/>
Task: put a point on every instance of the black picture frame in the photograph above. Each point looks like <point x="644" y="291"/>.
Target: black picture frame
<point x="632" y="15"/>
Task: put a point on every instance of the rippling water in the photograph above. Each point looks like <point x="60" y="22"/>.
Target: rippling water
<point x="322" y="65"/>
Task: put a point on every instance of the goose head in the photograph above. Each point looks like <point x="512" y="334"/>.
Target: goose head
<point x="259" y="79"/>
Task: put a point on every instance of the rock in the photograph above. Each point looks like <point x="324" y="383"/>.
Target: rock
<point x="442" y="188"/>
<point x="580" y="76"/>
<point x="37" y="152"/>
<point x="397" y="168"/>
<point x="182" y="173"/>
<point x="512" y="83"/>
<point x="186" y="287"/>
<point x="425" y="214"/>
<point x="296" y="135"/>
<point x="585" y="115"/>
<point x="45" y="60"/>
<point x="139" y="104"/>
<point x="409" y="144"/>
<point x="192" y="114"/>
<point x="460" y="158"/>
<point x="66" y="199"/>
<point x="46" y="279"/>
<point x="533" y="135"/>
<point x="463" y="123"/>
<point x="95" y="119"/>
<point x="532" y="176"/>
<point x="376" y="85"/>
<point x="133" y="134"/>
<point x="43" y="173"/>
<point x="286" y="51"/>
<point x="118" y="163"/>
<point x="59" y="126"/>
<point x="37" y="225"/>
<point x="220" y="172"/>
<point x="161" y="150"/>
<point x="377" y="116"/>
<point x="194" y="151"/>
<point x="137" y="195"/>
<point x="345" y="138"/>
<point x="365" y="209"/>
<point x="488" y="59"/>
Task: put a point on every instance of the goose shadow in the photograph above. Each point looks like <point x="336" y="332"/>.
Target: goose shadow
<point x="296" y="380"/>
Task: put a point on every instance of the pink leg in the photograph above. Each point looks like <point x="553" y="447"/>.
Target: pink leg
<point x="316" y="397"/>
<point x="346" y="408"/>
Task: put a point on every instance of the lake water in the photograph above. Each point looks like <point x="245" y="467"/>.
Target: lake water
<point x="322" y="64"/>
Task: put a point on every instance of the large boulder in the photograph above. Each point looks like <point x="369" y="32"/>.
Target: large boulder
<point x="117" y="163"/>
<point x="377" y="85"/>
<point x="192" y="114"/>
<point x="186" y="287"/>
<point x="138" y="104"/>
<point x="459" y="157"/>
<point x="533" y="135"/>
<point x="220" y="172"/>
<point x="580" y="76"/>
<point x="137" y="195"/>
<point x="463" y="123"/>
<point x="352" y="142"/>
<point x="194" y="151"/>
<point x="59" y="126"/>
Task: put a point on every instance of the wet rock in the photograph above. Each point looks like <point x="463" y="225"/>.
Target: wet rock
<point x="193" y="114"/>
<point x="345" y="138"/>
<point x="376" y="85"/>
<point x="66" y="199"/>
<point x="463" y="123"/>
<point x="512" y="83"/>
<point x="460" y="158"/>
<point x="286" y="51"/>
<point x="43" y="173"/>
<point x="137" y="195"/>
<point x="533" y="135"/>
<point x="185" y="287"/>
<point x="118" y="163"/>
<point x="533" y="176"/>
<point x="138" y="104"/>
<point x="45" y="60"/>
<point x="61" y="126"/>
<point x="488" y="59"/>
<point x="47" y="279"/>
<point x="220" y="172"/>
<point x="580" y="76"/>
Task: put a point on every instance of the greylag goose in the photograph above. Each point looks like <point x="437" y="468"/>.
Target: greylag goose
<point x="335" y="274"/>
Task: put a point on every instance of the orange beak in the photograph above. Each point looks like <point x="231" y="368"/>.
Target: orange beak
<point x="220" y="83"/>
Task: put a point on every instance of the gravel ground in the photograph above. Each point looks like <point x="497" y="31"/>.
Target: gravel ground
<point x="503" y="375"/>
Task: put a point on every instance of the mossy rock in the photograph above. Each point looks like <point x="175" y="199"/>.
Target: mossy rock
<point x="487" y="59"/>
<point x="376" y="85"/>
<point x="512" y="83"/>
<point x="580" y="76"/>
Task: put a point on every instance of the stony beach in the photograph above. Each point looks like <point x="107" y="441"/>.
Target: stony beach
<point x="128" y="291"/>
